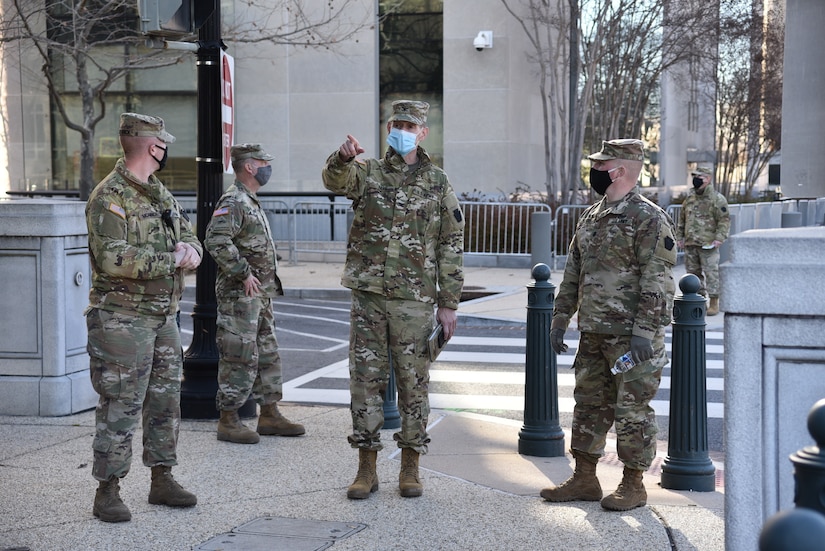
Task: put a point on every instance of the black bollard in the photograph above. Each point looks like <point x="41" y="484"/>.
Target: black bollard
<point x="809" y="464"/>
<point x="687" y="465"/>
<point x="793" y="530"/>
<point x="392" y="419"/>
<point x="541" y="434"/>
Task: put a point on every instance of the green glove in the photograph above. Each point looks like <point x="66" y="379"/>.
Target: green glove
<point x="641" y="349"/>
<point x="557" y="340"/>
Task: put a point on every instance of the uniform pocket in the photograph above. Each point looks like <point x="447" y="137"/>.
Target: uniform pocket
<point x="112" y="355"/>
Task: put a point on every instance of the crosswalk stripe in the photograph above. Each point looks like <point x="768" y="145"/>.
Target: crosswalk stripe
<point x="472" y="401"/>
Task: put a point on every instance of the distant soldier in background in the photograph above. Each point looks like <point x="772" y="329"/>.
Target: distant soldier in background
<point x="704" y="224"/>
<point x="239" y="239"/>
<point x="404" y="257"/>
<point x="619" y="278"/>
<point x="140" y="243"/>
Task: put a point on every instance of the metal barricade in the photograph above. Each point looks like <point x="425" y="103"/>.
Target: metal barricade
<point x="564" y="226"/>
<point x="319" y="228"/>
<point x="498" y="227"/>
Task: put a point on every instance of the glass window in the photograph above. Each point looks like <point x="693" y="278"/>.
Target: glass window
<point x="411" y="63"/>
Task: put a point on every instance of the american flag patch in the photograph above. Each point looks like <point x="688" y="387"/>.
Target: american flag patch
<point x="117" y="209"/>
<point x="221" y="211"/>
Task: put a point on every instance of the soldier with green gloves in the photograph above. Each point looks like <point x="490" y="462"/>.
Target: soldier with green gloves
<point x="239" y="239"/>
<point x="140" y="244"/>
<point x="404" y="258"/>
<point x="619" y="278"/>
<point x="704" y="224"/>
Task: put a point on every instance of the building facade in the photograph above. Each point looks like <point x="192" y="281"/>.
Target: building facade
<point x="301" y="102"/>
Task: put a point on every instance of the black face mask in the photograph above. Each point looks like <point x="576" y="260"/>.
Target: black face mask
<point x="697" y="182"/>
<point x="162" y="161"/>
<point x="600" y="180"/>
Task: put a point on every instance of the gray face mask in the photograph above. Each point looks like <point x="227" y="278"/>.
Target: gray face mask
<point x="263" y="174"/>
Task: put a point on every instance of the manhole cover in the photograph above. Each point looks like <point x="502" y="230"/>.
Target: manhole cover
<point x="282" y="534"/>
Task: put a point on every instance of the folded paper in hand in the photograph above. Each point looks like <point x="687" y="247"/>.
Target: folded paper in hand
<point x="436" y="342"/>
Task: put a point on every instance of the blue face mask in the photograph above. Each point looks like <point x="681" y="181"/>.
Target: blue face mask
<point x="403" y="142"/>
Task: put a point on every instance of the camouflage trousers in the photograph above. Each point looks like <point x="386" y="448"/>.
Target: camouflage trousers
<point x="699" y="261"/>
<point x="603" y="399"/>
<point x="386" y="333"/>
<point x="135" y="365"/>
<point x="249" y="359"/>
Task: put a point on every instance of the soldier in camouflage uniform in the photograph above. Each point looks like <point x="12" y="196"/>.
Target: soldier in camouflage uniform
<point x="140" y="243"/>
<point x="619" y="278"/>
<point x="239" y="239"/>
<point x="704" y="224"/>
<point x="404" y="257"/>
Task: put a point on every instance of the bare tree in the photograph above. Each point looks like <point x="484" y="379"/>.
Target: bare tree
<point x="95" y="41"/>
<point x="98" y="42"/>
<point x="750" y="94"/>
<point x="620" y="56"/>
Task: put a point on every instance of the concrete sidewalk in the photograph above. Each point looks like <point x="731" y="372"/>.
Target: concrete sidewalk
<point x="290" y="493"/>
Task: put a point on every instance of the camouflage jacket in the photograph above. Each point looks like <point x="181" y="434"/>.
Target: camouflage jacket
<point x="703" y="218"/>
<point x="407" y="237"/>
<point x="133" y="228"/>
<point x="239" y="239"/>
<point x="619" y="271"/>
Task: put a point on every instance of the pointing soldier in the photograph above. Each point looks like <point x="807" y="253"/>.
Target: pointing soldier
<point x="619" y="279"/>
<point x="404" y="257"/>
<point x="239" y="239"/>
<point x="140" y="243"/>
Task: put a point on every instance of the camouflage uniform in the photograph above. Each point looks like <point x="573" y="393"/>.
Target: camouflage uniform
<point x="404" y="256"/>
<point x="133" y="340"/>
<point x="703" y="219"/>
<point x="239" y="239"/>
<point x="619" y="278"/>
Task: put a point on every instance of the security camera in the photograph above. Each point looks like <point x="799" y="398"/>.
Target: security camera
<point x="484" y="39"/>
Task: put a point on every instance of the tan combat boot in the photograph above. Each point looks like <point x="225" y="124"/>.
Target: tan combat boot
<point x="366" y="481"/>
<point x="713" y="307"/>
<point x="582" y="486"/>
<point x="230" y="429"/>
<point x="272" y="422"/>
<point x="408" y="481"/>
<point x="108" y="506"/>
<point x="630" y="494"/>
<point x="165" y="490"/>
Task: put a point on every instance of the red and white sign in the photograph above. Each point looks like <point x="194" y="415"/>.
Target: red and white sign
<point x="227" y="108"/>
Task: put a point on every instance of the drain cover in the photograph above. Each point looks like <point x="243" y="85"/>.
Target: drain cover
<point x="282" y="534"/>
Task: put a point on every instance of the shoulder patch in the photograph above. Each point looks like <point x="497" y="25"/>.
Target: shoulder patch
<point x="457" y="214"/>
<point x="221" y="211"/>
<point x="724" y="209"/>
<point x="117" y="209"/>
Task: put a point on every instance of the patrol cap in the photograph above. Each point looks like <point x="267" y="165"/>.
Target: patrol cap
<point x="701" y="171"/>
<point x="408" y="110"/>
<point x="144" y="126"/>
<point x="243" y="151"/>
<point x="632" y="150"/>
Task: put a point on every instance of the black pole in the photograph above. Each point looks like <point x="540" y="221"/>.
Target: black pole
<point x="687" y="465"/>
<point x="541" y="434"/>
<point x="200" y="362"/>
<point x="392" y="418"/>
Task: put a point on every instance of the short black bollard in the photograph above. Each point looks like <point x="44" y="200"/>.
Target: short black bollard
<point x="687" y="465"/>
<point x="541" y="434"/>
<point x="392" y="419"/>
<point x="803" y="528"/>
<point x="793" y="530"/>
<point x="809" y="464"/>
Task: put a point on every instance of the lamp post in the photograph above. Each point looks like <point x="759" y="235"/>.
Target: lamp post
<point x="200" y="362"/>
